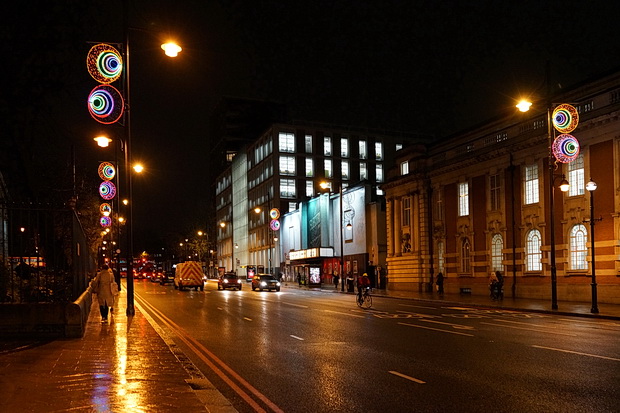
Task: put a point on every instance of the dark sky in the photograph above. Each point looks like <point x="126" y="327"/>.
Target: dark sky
<point x="431" y="66"/>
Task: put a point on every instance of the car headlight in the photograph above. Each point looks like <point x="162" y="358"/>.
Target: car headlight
<point x="225" y="281"/>
<point x="278" y="283"/>
<point x="263" y="283"/>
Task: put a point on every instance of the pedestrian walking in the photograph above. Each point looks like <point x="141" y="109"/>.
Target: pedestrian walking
<point x="106" y="289"/>
<point x="336" y="279"/>
<point x="440" y="283"/>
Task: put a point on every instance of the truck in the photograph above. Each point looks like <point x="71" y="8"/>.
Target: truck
<point x="189" y="274"/>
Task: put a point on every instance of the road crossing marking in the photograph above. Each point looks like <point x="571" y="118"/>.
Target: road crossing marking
<point x="530" y="329"/>
<point x="404" y="376"/>
<point x="437" y="329"/>
<point x="577" y="352"/>
<point x="297" y="338"/>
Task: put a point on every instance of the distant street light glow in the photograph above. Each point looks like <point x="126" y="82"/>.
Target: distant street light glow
<point x="171" y="49"/>
<point x="524" y="105"/>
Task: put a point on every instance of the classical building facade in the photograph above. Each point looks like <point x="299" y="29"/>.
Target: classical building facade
<point x="479" y="201"/>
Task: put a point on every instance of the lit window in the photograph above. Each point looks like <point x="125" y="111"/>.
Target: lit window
<point x="465" y="256"/>
<point x="345" y="169"/>
<point x="287" y="142"/>
<point x="287" y="188"/>
<point x="328" y="168"/>
<point x="440" y="257"/>
<point x="497" y="245"/>
<point x="379" y="172"/>
<point x="287" y="165"/>
<point x="327" y="146"/>
<point x="292" y="206"/>
<point x="363" y="171"/>
<point x="309" y="189"/>
<point x="363" y="150"/>
<point x="344" y="147"/>
<point x="404" y="168"/>
<point x="533" y="254"/>
<point x="578" y="247"/>
<point x="463" y="199"/>
<point x="308" y="140"/>
<point x="378" y="151"/>
<point x="494" y="192"/>
<point x="576" y="177"/>
<point x="531" y="184"/>
<point x="399" y="146"/>
<point x="406" y="219"/>
<point x="309" y="167"/>
<point x="438" y="196"/>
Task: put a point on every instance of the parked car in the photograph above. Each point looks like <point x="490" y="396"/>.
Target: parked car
<point x="265" y="282"/>
<point x="229" y="280"/>
<point x="168" y="277"/>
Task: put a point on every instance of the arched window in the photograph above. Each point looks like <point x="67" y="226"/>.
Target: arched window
<point x="497" y="245"/>
<point x="578" y="247"/>
<point x="533" y="255"/>
<point x="465" y="256"/>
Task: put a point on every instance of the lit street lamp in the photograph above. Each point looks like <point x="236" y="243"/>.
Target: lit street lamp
<point x="591" y="187"/>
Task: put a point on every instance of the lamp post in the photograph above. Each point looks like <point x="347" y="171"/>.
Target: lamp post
<point x="591" y="187"/>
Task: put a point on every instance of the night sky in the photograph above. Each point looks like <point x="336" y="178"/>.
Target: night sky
<point x="431" y="67"/>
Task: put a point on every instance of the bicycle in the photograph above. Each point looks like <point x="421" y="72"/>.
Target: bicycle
<point x="364" y="300"/>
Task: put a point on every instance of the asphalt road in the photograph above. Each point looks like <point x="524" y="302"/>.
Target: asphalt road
<point x="311" y="351"/>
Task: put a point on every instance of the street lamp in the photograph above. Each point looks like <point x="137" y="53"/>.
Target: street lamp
<point x="591" y="187"/>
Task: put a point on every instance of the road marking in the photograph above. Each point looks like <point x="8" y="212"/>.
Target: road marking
<point x="404" y="376"/>
<point x="297" y="338"/>
<point x="577" y="352"/>
<point x="349" y="314"/>
<point x="295" y="305"/>
<point x="247" y="319"/>
<point x="459" y="326"/>
<point x="436" y="329"/>
<point x="530" y="329"/>
<point x="418" y="306"/>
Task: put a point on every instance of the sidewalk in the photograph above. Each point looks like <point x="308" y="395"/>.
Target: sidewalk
<point x="571" y="308"/>
<point x="123" y="365"/>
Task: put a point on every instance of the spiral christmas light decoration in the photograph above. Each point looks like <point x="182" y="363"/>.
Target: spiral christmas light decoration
<point x="104" y="63"/>
<point x="105" y="209"/>
<point x="565" y="148"/>
<point x="105" y="221"/>
<point x="107" y="171"/>
<point x="565" y="118"/>
<point x="107" y="190"/>
<point x="274" y="213"/>
<point x="274" y="225"/>
<point x="105" y="104"/>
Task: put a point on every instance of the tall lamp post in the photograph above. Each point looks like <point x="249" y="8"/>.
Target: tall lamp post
<point x="591" y="187"/>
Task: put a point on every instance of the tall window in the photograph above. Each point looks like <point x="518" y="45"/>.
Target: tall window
<point x="379" y="172"/>
<point x="363" y="171"/>
<point x="309" y="189"/>
<point x="533" y="254"/>
<point x="287" y="142"/>
<point x="328" y="168"/>
<point x="309" y="167"/>
<point x="287" y="188"/>
<point x="463" y="199"/>
<point x="576" y="177"/>
<point x="344" y="147"/>
<point x="345" y="169"/>
<point x="438" y="213"/>
<point x="308" y="141"/>
<point x="494" y="192"/>
<point x="378" y="151"/>
<point x="497" y="245"/>
<point x="406" y="219"/>
<point x="531" y="184"/>
<point x="441" y="250"/>
<point x="578" y="247"/>
<point x="327" y="146"/>
<point x="404" y="168"/>
<point x="287" y="165"/>
<point x="465" y="256"/>
<point x="363" y="149"/>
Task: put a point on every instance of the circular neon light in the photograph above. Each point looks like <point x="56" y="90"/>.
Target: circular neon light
<point x="107" y="190"/>
<point x="565" y="148"/>
<point x="565" y="118"/>
<point x="274" y="213"/>
<point x="104" y="63"/>
<point x="105" y="104"/>
<point x="274" y="225"/>
<point x="105" y="209"/>
<point x="105" y="221"/>
<point x="107" y="171"/>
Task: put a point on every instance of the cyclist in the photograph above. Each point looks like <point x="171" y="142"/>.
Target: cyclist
<point x="363" y="283"/>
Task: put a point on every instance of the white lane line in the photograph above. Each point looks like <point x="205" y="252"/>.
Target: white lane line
<point x="530" y="329"/>
<point x="418" y="306"/>
<point x="577" y="352"/>
<point x="458" y="326"/>
<point x="436" y="329"/>
<point x="349" y="314"/>
<point x="297" y="338"/>
<point x="295" y="305"/>
<point x="247" y="318"/>
<point x="404" y="376"/>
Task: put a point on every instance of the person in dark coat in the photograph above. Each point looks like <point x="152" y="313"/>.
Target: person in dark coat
<point x="439" y="282"/>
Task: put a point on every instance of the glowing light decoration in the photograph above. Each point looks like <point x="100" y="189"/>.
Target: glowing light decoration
<point x="565" y="148"/>
<point x="104" y="63"/>
<point x="274" y="225"/>
<point x="274" y="213"/>
<point x="107" y="190"/>
<point x="105" y="221"/>
<point x="107" y="171"/>
<point x="105" y="104"/>
<point x="105" y="209"/>
<point x="565" y="118"/>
